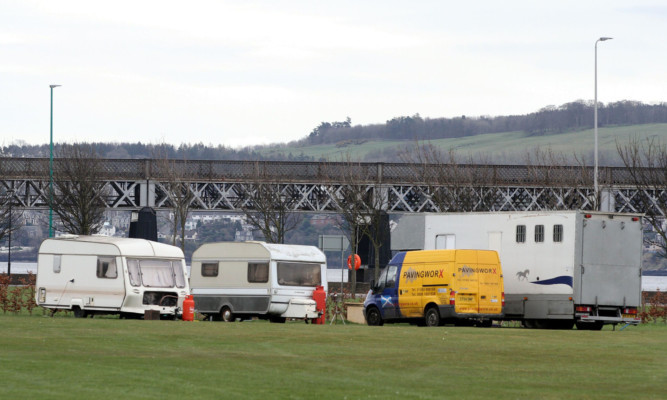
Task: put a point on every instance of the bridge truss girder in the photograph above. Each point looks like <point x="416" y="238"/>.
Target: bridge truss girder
<point x="326" y="197"/>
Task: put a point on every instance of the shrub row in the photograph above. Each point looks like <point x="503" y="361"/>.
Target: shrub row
<point x="654" y="307"/>
<point x="17" y="298"/>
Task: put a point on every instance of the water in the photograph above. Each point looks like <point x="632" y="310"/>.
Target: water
<point x="654" y="283"/>
<point x="19" y="267"/>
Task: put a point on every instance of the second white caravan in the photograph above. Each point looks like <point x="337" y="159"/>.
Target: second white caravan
<point x="233" y="280"/>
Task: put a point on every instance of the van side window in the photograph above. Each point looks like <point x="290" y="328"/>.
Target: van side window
<point x="106" y="268"/>
<point x="539" y="233"/>
<point x="56" y="263"/>
<point x="209" y="269"/>
<point x="558" y="233"/>
<point x="391" y="276"/>
<point x="521" y="233"/>
<point x="258" y="272"/>
<point x="379" y="285"/>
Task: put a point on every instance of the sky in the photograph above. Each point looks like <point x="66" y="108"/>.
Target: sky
<point x="242" y="73"/>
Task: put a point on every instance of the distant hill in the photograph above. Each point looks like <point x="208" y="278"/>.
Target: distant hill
<point x="566" y="129"/>
<point x="498" y="148"/>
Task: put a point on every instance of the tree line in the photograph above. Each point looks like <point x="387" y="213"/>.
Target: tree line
<point x="573" y="116"/>
<point x="577" y="115"/>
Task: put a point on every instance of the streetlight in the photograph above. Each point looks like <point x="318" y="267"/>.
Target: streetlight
<point x="595" y="124"/>
<point x="10" y="196"/>
<point x="51" y="168"/>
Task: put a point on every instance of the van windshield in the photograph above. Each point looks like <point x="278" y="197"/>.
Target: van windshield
<point x="156" y="273"/>
<point x="299" y="274"/>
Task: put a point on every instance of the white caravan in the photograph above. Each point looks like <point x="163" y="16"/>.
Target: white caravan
<point x="108" y="275"/>
<point x="233" y="280"/>
<point x="559" y="267"/>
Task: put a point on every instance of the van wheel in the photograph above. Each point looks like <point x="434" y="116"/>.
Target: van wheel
<point x="432" y="317"/>
<point x="485" y="323"/>
<point x="373" y="317"/>
<point x="227" y="315"/>
<point x="79" y="313"/>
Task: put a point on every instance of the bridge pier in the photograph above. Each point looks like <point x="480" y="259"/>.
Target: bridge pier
<point x="607" y="200"/>
<point x="147" y="194"/>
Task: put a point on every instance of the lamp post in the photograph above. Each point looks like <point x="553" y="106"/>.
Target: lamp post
<point x="595" y="125"/>
<point x="51" y="168"/>
<point x="10" y="195"/>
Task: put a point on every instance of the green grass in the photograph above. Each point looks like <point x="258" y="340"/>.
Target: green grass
<point x="68" y="358"/>
<point x="502" y="147"/>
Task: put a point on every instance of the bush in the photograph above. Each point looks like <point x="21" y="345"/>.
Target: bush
<point x="654" y="307"/>
<point x="16" y="298"/>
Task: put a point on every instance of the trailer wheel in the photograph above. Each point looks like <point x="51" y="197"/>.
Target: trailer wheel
<point x="227" y="315"/>
<point x="562" y="324"/>
<point x="79" y="313"/>
<point x="373" y="317"/>
<point x="529" y="323"/>
<point x="432" y="317"/>
<point x="278" y="320"/>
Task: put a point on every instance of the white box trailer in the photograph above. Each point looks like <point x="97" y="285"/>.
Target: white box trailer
<point x="109" y="275"/>
<point x="233" y="280"/>
<point x="560" y="267"/>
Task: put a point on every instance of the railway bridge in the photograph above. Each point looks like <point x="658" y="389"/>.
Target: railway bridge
<point x="229" y="186"/>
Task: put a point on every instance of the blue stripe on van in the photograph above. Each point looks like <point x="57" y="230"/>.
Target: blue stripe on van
<point x="565" y="280"/>
<point x="398" y="259"/>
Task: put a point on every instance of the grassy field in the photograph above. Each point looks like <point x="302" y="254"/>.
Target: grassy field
<point x="500" y="147"/>
<point x="67" y="358"/>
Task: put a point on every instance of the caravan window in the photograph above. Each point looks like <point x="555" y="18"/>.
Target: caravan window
<point x="106" y="268"/>
<point x="209" y="269"/>
<point x="135" y="272"/>
<point x="258" y="272"/>
<point x="520" y="233"/>
<point x="179" y="274"/>
<point x="539" y="233"/>
<point x="156" y="273"/>
<point x="299" y="274"/>
<point x="56" y="263"/>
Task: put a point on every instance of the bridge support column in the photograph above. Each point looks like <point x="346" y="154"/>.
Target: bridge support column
<point x="147" y="194"/>
<point x="607" y="200"/>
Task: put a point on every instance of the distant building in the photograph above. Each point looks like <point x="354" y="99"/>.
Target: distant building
<point x="243" y="236"/>
<point x="107" y="229"/>
<point x="323" y="220"/>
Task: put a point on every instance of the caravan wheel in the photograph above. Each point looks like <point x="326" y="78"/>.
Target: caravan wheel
<point x="227" y="315"/>
<point x="79" y="313"/>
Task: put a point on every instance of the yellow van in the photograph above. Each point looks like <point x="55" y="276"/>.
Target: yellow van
<point x="434" y="287"/>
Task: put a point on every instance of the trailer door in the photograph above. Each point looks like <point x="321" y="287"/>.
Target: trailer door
<point x="610" y="272"/>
